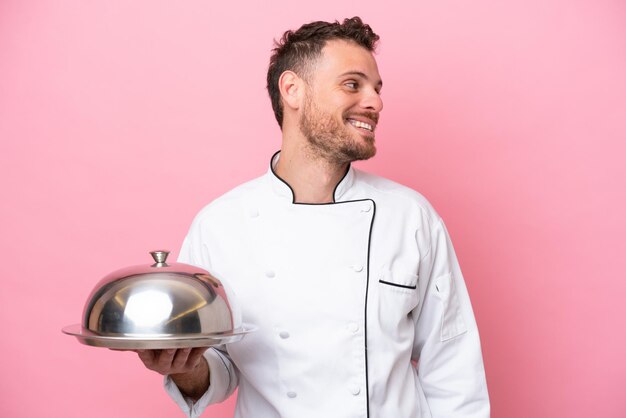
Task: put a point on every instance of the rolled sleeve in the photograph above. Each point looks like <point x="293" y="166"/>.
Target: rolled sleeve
<point x="222" y="383"/>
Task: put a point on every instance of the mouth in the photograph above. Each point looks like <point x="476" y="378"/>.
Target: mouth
<point x="361" y="125"/>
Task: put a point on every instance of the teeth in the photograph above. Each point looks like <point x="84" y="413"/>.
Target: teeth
<point x="360" y="124"/>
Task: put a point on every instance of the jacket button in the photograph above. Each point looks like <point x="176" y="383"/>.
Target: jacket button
<point x="270" y="273"/>
<point x="355" y="390"/>
<point x="291" y="395"/>
<point x="358" y="268"/>
<point x="353" y="328"/>
<point x="253" y="213"/>
<point x="284" y="335"/>
<point x="366" y="208"/>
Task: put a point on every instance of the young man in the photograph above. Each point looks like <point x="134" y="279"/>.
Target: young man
<point x="351" y="279"/>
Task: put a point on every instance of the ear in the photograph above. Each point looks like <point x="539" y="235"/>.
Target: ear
<point x="291" y="89"/>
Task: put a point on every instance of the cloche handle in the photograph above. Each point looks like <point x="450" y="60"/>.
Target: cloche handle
<point x="159" y="257"/>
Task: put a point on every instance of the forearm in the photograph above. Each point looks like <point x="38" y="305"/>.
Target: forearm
<point x="195" y="383"/>
<point x="203" y="385"/>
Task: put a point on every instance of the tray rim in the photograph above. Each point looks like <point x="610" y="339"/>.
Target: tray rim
<point x="90" y="338"/>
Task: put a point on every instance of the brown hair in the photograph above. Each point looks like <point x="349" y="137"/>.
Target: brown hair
<point x="297" y="50"/>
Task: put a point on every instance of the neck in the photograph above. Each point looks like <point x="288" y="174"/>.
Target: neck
<point x="312" y="178"/>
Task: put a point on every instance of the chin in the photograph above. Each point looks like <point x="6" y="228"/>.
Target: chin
<point x="361" y="153"/>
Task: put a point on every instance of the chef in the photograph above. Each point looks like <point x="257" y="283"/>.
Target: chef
<point x="351" y="279"/>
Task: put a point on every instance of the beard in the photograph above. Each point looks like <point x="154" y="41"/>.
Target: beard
<point x="333" y="140"/>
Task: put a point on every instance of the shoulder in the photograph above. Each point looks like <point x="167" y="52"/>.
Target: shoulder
<point x="232" y="201"/>
<point x="390" y="193"/>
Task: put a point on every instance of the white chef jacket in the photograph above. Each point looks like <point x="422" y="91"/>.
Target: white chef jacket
<point x="360" y="305"/>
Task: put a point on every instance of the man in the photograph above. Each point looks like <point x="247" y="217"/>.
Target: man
<point x="351" y="279"/>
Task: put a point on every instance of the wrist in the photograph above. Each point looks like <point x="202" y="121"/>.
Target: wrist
<point x="194" y="383"/>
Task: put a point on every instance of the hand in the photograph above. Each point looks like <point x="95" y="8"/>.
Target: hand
<point x="185" y="366"/>
<point x="172" y="361"/>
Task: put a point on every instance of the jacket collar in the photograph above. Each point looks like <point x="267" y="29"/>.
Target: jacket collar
<point x="284" y="190"/>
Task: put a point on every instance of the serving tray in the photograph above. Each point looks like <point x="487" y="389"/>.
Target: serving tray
<point x="130" y="342"/>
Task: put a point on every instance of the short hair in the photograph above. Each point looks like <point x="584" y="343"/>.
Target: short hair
<point x="297" y="50"/>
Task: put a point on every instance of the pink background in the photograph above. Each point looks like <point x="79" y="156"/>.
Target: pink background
<point x="119" y="120"/>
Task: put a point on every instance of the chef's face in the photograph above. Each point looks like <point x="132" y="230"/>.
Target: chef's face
<point x="342" y="104"/>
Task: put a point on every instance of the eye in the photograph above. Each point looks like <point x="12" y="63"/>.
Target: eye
<point x="352" y="85"/>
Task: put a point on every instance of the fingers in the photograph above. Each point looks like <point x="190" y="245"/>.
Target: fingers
<point x="195" y="356"/>
<point x="171" y="361"/>
<point x="147" y="357"/>
<point x="164" y="360"/>
<point x="180" y="359"/>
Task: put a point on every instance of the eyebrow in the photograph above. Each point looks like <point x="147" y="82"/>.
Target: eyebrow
<point x="362" y="75"/>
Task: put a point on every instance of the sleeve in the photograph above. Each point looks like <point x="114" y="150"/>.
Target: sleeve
<point x="223" y="378"/>
<point x="447" y="345"/>
<point x="222" y="383"/>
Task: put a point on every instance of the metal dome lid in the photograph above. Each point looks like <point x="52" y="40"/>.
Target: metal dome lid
<point x="162" y="305"/>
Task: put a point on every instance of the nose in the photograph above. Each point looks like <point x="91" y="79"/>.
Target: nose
<point x="372" y="101"/>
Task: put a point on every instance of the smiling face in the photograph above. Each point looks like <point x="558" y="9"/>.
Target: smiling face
<point x="341" y="107"/>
